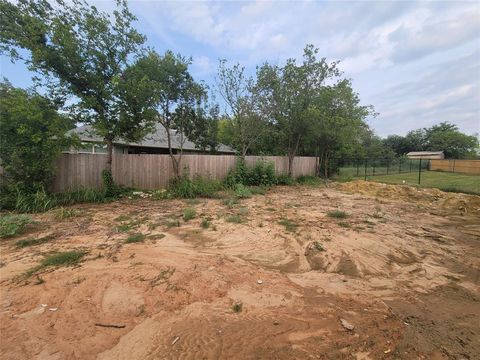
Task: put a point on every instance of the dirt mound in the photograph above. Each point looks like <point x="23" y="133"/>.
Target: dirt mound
<point x="454" y="202"/>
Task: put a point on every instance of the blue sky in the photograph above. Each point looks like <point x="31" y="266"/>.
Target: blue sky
<point x="417" y="63"/>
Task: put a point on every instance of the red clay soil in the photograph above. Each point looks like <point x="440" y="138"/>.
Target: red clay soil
<point x="272" y="277"/>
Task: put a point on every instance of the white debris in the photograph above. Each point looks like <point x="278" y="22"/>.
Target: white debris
<point x="347" y="325"/>
<point x="175" y="340"/>
<point x="259" y="282"/>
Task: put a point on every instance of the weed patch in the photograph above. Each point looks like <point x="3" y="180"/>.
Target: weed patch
<point x="12" y="225"/>
<point x="337" y="214"/>
<point x="189" y="214"/>
<point x="290" y="225"/>
<point x="205" y="224"/>
<point x="156" y="236"/>
<point x="236" y="219"/>
<point x="135" y="238"/>
<point x="67" y="258"/>
<point x="33" y="242"/>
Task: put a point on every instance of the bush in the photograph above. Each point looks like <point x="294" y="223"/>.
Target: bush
<point x="189" y="214"/>
<point x="12" y="225"/>
<point x="337" y="214"/>
<point x="285" y="179"/>
<point x="242" y="192"/>
<point x="199" y="186"/>
<point x="261" y="174"/>
<point x="135" y="238"/>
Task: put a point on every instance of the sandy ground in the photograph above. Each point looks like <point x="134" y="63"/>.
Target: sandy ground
<point x="403" y="268"/>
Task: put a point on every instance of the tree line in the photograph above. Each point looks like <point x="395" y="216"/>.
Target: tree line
<point x="95" y="68"/>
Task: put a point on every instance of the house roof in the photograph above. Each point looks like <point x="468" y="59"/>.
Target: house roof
<point x="157" y="139"/>
<point x="424" y="153"/>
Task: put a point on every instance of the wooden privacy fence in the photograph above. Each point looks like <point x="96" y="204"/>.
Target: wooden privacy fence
<point x="154" y="171"/>
<point x="458" y="166"/>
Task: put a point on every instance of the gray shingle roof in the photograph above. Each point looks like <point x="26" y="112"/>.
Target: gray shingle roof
<point x="157" y="139"/>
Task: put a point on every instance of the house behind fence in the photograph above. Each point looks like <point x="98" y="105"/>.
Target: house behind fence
<point x="154" y="171"/>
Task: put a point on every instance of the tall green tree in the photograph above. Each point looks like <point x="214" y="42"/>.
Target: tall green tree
<point x="291" y="90"/>
<point x="447" y="138"/>
<point x="247" y="115"/>
<point x="85" y="52"/>
<point x="32" y="135"/>
<point x="177" y="101"/>
<point x="338" y="118"/>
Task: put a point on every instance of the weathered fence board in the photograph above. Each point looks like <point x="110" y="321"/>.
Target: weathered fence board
<point x="458" y="166"/>
<point x="154" y="171"/>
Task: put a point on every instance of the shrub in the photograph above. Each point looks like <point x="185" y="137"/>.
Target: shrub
<point x="285" y="179"/>
<point x="205" y="224"/>
<point x="241" y="191"/>
<point x="189" y="214"/>
<point x="199" y="186"/>
<point x="237" y="219"/>
<point x="261" y="174"/>
<point x="38" y="201"/>
<point x="12" y="225"/>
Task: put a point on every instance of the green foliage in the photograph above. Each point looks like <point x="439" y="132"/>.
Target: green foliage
<point x="185" y="187"/>
<point x="242" y="192"/>
<point x="33" y="242"/>
<point x="108" y="184"/>
<point x="38" y="201"/>
<point x="237" y="307"/>
<point x="236" y="218"/>
<point x="32" y="135"/>
<point x="205" y="223"/>
<point x="309" y="180"/>
<point x="86" y="52"/>
<point x="12" y="225"/>
<point x="64" y="213"/>
<point x="337" y="214"/>
<point x="189" y="214"/>
<point x="261" y="174"/>
<point x="285" y="179"/>
<point x="67" y="258"/>
<point x="290" y="225"/>
<point x="135" y="238"/>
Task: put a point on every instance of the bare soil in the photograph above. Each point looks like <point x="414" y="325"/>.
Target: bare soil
<point x="403" y="268"/>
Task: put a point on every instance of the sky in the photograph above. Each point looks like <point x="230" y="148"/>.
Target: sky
<point x="416" y="62"/>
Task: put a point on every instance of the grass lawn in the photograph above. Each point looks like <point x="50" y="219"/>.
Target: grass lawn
<point x="435" y="179"/>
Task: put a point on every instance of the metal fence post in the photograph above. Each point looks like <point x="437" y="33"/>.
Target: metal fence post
<point x="358" y="168"/>
<point x="373" y="167"/>
<point x="410" y="165"/>
<point x="388" y="163"/>
<point x="453" y="170"/>
<point x="366" y="163"/>
<point x="419" y="171"/>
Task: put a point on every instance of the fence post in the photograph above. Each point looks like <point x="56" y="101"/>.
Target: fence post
<point x="410" y="165"/>
<point x="453" y="170"/>
<point x="399" y="165"/>
<point x="366" y="164"/>
<point x="358" y="167"/>
<point x="388" y="164"/>
<point x="419" y="171"/>
<point x="373" y="167"/>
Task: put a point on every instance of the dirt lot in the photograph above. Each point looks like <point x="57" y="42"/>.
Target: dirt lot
<point x="272" y="277"/>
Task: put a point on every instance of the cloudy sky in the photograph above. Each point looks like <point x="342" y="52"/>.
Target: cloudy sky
<point x="418" y="63"/>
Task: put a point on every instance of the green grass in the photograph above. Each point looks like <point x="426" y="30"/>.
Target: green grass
<point x="445" y="181"/>
<point x="290" y="225"/>
<point x="135" y="238"/>
<point x="205" y="223"/>
<point x="189" y="214"/>
<point x="337" y="214"/>
<point x="66" y="258"/>
<point x="33" y="242"/>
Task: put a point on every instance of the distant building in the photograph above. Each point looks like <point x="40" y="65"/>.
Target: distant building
<point x="154" y="143"/>
<point x="430" y="155"/>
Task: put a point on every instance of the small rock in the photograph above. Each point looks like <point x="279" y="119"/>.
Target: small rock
<point x="53" y="309"/>
<point x="259" y="282"/>
<point x="347" y="325"/>
<point x="275" y="322"/>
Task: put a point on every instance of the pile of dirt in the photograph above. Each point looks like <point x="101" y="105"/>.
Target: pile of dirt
<point x="453" y="202"/>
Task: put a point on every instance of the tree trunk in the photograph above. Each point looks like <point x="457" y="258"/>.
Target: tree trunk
<point x="326" y="165"/>
<point x="290" y="164"/>
<point x="108" y="165"/>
